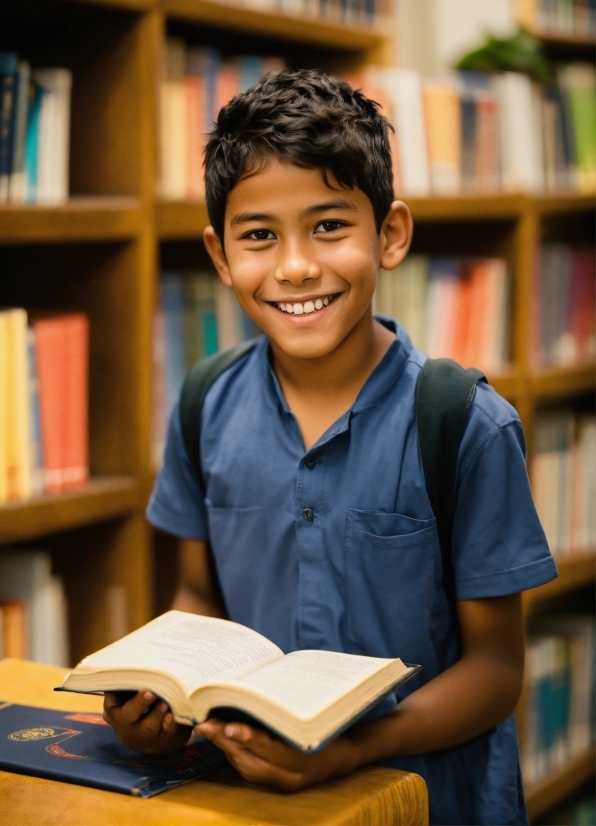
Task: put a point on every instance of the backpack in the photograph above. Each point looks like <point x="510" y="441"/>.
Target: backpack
<point x="444" y="393"/>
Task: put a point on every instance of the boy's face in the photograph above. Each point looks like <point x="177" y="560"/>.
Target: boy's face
<point x="302" y="257"/>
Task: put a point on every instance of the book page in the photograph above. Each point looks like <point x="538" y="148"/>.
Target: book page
<point x="306" y="682"/>
<point x="195" y="649"/>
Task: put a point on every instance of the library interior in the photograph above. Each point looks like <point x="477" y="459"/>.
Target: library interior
<point x="108" y="297"/>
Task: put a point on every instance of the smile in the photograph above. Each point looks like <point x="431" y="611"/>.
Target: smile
<point x="306" y="307"/>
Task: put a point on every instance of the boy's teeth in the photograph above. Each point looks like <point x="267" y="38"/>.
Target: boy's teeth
<point x="304" y="309"/>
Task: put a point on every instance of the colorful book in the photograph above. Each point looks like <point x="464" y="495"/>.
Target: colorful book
<point x="81" y="748"/>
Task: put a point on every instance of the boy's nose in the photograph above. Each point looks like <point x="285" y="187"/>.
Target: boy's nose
<point x="295" y="266"/>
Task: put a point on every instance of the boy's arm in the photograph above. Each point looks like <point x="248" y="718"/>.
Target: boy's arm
<point x="475" y="694"/>
<point x="141" y="722"/>
<point x="198" y="589"/>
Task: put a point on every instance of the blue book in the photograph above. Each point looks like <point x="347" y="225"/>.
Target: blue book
<point x="32" y="143"/>
<point x="251" y="70"/>
<point x="81" y="748"/>
<point x="8" y="82"/>
<point x="172" y="301"/>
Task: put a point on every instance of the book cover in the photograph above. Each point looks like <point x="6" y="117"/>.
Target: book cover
<point x="82" y="748"/>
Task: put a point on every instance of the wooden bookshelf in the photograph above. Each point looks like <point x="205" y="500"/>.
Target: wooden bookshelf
<point x="100" y="254"/>
<point x="81" y="219"/>
<point x="101" y="499"/>
<point x="556" y="787"/>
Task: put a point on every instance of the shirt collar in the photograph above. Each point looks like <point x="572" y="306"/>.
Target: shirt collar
<point x="378" y="384"/>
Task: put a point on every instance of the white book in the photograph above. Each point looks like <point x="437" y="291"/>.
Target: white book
<point x="24" y="575"/>
<point x="520" y="132"/>
<point x="54" y="135"/>
<point x="405" y="91"/>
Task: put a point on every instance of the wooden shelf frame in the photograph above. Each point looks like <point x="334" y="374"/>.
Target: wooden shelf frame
<point x="101" y="499"/>
<point x="556" y="787"/>
<point x="97" y="218"/>
<point x="575" y="570"/>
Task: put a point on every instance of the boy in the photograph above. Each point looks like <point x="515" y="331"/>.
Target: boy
<point x="315" y="527"/>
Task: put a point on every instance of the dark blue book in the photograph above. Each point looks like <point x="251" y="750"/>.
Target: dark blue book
<point x="8" y="80"/>
<point x="81" y="748"/>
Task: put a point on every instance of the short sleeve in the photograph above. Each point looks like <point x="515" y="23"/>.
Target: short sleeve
<point x="177" y="503"/>
<point x="499" y="546"/>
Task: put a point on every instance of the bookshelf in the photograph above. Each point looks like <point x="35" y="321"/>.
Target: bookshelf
<point x="101" y="253"/>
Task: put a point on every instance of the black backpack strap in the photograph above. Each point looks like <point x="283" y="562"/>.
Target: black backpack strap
<point x="443" y="396"/>
<point x="198" y="380"/>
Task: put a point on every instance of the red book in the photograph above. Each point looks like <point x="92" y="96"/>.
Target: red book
<point x="61" y="351"/>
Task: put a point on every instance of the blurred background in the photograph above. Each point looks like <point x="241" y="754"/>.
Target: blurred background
<point x="104" y="108"/>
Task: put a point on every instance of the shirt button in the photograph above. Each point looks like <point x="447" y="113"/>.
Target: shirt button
<point x="310" y="462"/>
<point x="308" y="514"/>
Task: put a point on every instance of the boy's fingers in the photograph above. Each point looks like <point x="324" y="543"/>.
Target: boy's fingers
<point x="152" y="722"/>
<point x="132" y="710"/>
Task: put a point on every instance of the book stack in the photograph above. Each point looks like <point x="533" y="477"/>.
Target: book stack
<point x="197" y="316"/>
<point x="560" y="683"/>
<point x="453" y="308"/>
<point x="43" y="400"/>
<point x="34" y="132"/>
<point x="489" y="132"/>
<point x="563" y="474"/>
<point x="339" y="11"/>
<point x="33" y="609"/>
<point x="196" y="83"/>
<point x="564" y="301"/>
<point x="558" y="17"/>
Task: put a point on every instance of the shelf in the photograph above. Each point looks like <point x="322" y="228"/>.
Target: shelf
<point x="563" y="44"/>
<point x="553" y="789"/>
<point x="102" y="498"/>
<point x="562" y="382"/>
<point x="128" y="5"/>
<point x="269" y="23"/>
<point x="81" y="219"/>
<point x="181" y="219"/>
<point x="575" y="571"/>
<point x="475" y="207"/>
<point x="506" y="383"/>
<point x="564" y="202"/>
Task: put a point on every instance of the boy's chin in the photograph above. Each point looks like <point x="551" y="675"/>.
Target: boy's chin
<point x="304" y="349"/>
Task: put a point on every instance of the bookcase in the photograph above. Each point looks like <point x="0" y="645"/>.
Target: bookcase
<point x="101" y="253"/>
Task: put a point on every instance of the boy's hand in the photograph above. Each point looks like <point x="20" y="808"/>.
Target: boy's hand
<point x="143" y="724"/>
<point x="263" y="758"/>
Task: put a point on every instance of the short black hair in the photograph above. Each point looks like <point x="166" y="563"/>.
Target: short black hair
<point x="307" y="118"/>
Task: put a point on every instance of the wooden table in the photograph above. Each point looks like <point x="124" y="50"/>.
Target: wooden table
<point x="371" y="795"/>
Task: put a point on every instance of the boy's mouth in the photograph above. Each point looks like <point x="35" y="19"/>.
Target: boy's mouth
<point x="305" y="307"/>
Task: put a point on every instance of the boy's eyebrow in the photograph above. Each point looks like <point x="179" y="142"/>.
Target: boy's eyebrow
<point x="249" y="217"/>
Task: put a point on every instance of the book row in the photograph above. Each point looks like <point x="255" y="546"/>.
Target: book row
<point x="34" y="132"/>
<point x="43" y="399"/>
<point x="564" y="303"/>
<point x="33" y="611"/>
<point x="563" y="475"/>
<point x="566" y="17"/>
<point x="486" y="132"/>
<point x="560" y="686"/>
<point x="338" y="11"/>
<point x="454" y="308"/>
<point x="197" y="316"/>
<point x="481" y="133"/>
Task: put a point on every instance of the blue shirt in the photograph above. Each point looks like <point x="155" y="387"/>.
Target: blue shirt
<point x="336" y="547"/>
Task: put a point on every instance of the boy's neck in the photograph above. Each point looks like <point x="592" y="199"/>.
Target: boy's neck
<point x="318" y="391"/>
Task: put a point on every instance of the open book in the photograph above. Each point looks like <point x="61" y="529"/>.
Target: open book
<point x="205" y="667"/>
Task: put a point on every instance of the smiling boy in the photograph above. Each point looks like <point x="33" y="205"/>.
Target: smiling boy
<point x="312" y="524"/>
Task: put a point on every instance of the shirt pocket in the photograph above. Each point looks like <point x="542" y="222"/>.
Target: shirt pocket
<point x="238" y="538"/>
<point x="390" y="581"/>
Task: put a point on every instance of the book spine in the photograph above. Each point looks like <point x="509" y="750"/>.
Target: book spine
<point x="37" y="466"/>
<point x="51" y="355"/>
<point x="8" y="82"/>
<point x="17" y="177"/>
<point x="75" y="470"/>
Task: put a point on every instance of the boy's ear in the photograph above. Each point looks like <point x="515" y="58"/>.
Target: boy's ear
<point x="216" y="251"/>
<point x="396" y="235"/>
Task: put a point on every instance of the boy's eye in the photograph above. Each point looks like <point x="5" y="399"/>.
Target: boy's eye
<point x="260" y="235"/>
<point x="328" y="226"/>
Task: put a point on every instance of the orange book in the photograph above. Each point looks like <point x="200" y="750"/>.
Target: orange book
<point x="61" y="357"/>
<point x="479" y="312"/>
<point x="442" y="121"/>
<point x="75" y="468"/>
<point x="18" y="429"/>
<point x="461" y="327"/>
<point x="227" y="84"/>
<point x="14" y="628"/>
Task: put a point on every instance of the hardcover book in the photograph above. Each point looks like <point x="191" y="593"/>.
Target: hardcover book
<point x="205" y="667"/>
<point x="81" y="748"/>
